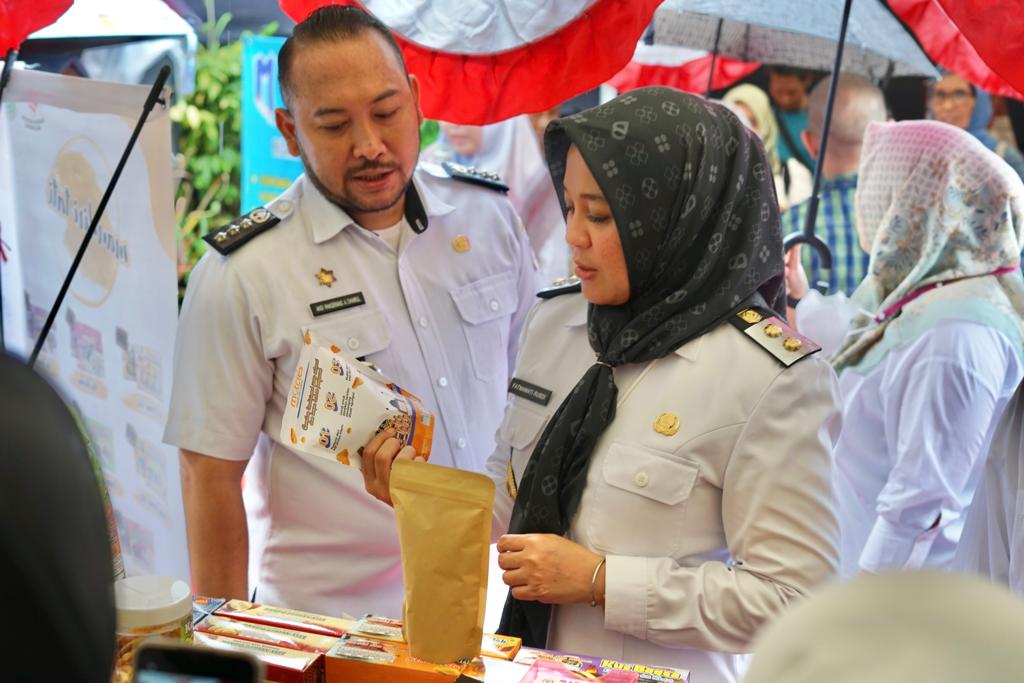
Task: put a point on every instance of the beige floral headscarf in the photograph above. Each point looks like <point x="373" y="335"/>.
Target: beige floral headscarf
<point x="938" y="207"/>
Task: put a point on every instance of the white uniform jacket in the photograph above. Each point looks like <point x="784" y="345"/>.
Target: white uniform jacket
<point x="441" y="318"/>
<point x="709" y="532"/>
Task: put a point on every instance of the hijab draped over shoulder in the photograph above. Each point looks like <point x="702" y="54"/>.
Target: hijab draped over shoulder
<point x="693" y="199"/>
<point x="938" y="207"/>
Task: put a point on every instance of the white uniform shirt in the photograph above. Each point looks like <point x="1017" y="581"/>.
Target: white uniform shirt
<point x="708" y="533"/>
<point x="992" y="543"/>
<point x="916" y="429"/>
<point x="442" y="323"/>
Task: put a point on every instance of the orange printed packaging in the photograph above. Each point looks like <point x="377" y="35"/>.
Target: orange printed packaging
<point x="271" y="635"/>
<point x="336" y="404"/>
<point x="282" y="665"/>
<point x="384" y="628"/>
<point x="367" y="660"/>
<point x="285" y="618"/>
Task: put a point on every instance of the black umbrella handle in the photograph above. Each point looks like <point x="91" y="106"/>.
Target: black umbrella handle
<point x="819" y="246"/>
<point x="5" y="75"/>
<point x="812" y="208"/>
<point x="154" y="97"/>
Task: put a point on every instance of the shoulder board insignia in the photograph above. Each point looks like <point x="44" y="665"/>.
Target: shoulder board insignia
<point x="469" y="174"/>
<point x="773" y="334"/>
<point x="569" y="285"/>
<point x="239" y="231"/>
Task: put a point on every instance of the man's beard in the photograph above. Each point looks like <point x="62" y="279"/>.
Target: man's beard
<point x="347" y="204"/>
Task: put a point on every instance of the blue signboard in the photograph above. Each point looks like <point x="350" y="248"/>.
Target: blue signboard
<point x="267" y="167"/>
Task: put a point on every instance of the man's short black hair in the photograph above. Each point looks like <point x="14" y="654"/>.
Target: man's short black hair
<point x="329" y="23"/>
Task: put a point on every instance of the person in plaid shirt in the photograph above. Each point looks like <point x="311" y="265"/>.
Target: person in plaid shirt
<point x="858" y="102"/>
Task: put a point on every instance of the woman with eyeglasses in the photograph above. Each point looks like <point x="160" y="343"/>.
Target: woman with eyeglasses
<point x="957" y="102"/>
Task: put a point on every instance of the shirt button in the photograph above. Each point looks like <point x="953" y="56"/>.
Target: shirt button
<point x="641" y="479"/>
<point x="353" y="343"/>
<point x="495" y="305"/>
<point x="442" y="382"/>
<point x="461" y="443"/>
<point x="423" y="322"/>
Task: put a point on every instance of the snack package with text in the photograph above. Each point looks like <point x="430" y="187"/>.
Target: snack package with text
<point x="600" y="666"/>
<point x="337" y="404"/>
<point x="285" y="618"/>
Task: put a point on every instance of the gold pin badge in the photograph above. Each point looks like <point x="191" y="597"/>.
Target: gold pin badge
<point x="792" y="344"/>
<point x="667" y="424"/>
<point x="751" y="317"/>
<point x="461" y="244"/>
<point x="773" y="331"/>
<point x="325" y="277"/>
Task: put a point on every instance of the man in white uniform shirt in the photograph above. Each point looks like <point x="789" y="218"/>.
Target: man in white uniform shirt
<point x="425" y="276"/>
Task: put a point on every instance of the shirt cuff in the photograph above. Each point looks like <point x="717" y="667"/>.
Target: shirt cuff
<point x="890" y="546"/>
<point x="625" y="595"/>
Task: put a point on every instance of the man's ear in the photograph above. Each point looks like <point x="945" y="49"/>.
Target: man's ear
<point x="810" y="141"/>
<point x="286" y="124"/>
<point x="414" y="85"/>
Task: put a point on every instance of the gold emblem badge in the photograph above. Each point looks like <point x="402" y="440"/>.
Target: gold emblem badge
<point x="667" y="424"/>
<point x="792" y="344"/>
<point x="325" y="277"/>
<point x="461" y="244"/>
<point x="751" y="317"/>
<point x="773" y="331"/>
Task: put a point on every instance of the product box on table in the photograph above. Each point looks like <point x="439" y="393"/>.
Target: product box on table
<point x="278" y="636"/>
<point x="285" y="618"/>
<point x="599" y="666"/>
<point x="384" y="628"/>
<point x="356" y="659"/>
<point x="282" y="664"/>
<point x="203" y="607"/>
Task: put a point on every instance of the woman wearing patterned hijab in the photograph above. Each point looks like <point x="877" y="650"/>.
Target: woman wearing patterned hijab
<point x="666" y="450"/>
<point x="938" y="348"/>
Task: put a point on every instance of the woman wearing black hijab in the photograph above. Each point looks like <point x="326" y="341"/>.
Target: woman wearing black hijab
<point x="670" y="436"/>
<point x="666" y="450"/>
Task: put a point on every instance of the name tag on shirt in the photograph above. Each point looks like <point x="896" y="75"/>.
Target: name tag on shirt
<point x="531" y="392"/>
<point x="337" y="304"/>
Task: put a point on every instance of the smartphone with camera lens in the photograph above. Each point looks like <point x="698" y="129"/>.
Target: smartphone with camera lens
<point x="175" y="662"/>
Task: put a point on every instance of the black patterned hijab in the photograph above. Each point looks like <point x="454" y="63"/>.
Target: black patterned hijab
<point x="694" y="202"/>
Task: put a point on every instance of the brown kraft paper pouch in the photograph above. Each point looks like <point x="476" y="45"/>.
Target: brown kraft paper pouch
<point x="444" y="529"/>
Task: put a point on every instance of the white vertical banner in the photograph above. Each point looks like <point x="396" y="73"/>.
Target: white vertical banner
<point x="111" y="346"/>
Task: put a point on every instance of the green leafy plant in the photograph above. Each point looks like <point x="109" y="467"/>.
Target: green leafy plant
<point x="210" y="125"/>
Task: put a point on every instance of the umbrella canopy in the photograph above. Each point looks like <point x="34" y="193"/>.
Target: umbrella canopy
<point x="679" y="67"/>
<point x="18" y="18"/>
<point x="980" y="40"/>
<point x="488" y="60"/>
<point x="797" y="33"/>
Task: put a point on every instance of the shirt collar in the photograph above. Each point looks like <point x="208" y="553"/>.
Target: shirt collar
<point x="841" y="181"/>
<point x="327" y="219"/>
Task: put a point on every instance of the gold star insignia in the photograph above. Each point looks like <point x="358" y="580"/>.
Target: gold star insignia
<point x="325" y="277"/>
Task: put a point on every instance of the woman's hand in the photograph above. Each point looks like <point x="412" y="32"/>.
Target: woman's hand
<point x="550" y="569"/>
<point x="378" y="457"/>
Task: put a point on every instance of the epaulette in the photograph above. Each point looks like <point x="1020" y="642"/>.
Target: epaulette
<point x="772" y="334"/>
<point x="565" y="285"/>
<point x="469" y="174"/>
<point x="239" y="231"/>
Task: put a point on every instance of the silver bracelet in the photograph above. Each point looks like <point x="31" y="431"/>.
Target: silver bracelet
<point x="593" y="583"/>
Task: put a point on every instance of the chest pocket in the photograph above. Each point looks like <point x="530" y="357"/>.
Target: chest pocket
<point x="363" y="332"/>
<point x="486" y="307"/>
<point x="638" y="502"/>
<point x="520" y="430"/>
